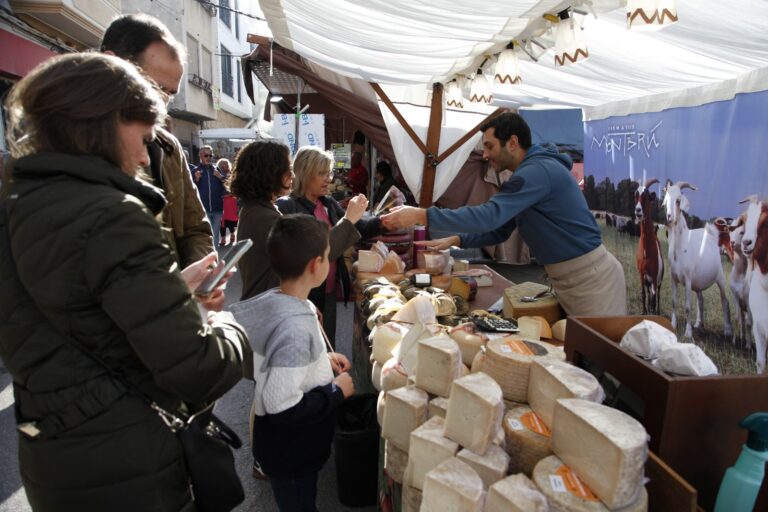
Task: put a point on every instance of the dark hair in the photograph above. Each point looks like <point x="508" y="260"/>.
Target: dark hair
<point x="384" y="169"/>
<point x="259" y="169"/>
<point x="129" y="35"/>
<point x="293" y="242"/>
<point x="507" y="125"/>
<point x="73" y="103"/>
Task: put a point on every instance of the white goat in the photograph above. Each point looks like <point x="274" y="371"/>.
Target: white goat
<point x="694" y="259"/>
<point x="754" y="243"/>
<point x="739" y="279"/>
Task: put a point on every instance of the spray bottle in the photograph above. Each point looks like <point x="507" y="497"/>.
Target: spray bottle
<point x="742" y="481"/>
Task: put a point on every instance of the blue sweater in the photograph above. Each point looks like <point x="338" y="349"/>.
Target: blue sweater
<point x="541" y="199"/>
<point x="210" y="188"/>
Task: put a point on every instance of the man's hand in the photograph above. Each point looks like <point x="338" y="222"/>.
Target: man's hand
<point x="339" y="362"/>
<point x="440" y="243"/>
<point x="356" y="208"/>
<point x="344" y="382"/>
<point x="198" y="173"/>
<point x="404" y="217"/>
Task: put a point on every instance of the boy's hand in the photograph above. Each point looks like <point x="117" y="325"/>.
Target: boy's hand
<point x="344" y="382"/>
<point x="339" y="362"/>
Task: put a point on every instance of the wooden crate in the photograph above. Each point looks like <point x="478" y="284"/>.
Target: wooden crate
<point x="692" y="421"/>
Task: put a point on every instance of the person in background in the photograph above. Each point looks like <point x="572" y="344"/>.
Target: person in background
<point x="384" y="181"/>
<point x="84" y="260"/>
<point x="313" y="169"/>
<point x="190" y="165"/>
<point x="147" y="43"/>
<point x="545" y="202"/>
<point x="210" y="182"/>
<point x="296" y="394"/>
<point x="229" y="214"/>
<point x="357" y="178"/>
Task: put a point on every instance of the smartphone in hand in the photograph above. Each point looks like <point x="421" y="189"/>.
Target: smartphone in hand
<point x="227" y="260"/>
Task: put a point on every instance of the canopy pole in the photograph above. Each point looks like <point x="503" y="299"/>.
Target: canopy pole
<point x="456" y="145"/>
<point x="433" y="146"/>
<point x="399" y="117"/>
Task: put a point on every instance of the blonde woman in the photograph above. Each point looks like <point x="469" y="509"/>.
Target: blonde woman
<point x="313" y="170"/>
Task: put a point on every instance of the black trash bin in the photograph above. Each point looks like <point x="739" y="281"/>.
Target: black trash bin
<point x="356" y="447"/>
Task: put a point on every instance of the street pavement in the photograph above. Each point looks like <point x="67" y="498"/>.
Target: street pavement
<point x="233" y="408"/>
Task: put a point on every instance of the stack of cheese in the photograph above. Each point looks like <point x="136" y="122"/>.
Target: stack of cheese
<point x="376" y="262"/>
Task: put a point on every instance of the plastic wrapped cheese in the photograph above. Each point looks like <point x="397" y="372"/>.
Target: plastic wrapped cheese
<point x="428" y="449"/>
<point x="369" y="261"/>
<point x="475" y="410"/>
<point x="552" y="379"/>
<point x="648" y="339"/>
<point x="604" y="446"/>
<point x="686" y="359"/>
<point x="452" y="486"/>
<point x="508" y="361"/>
<point x="405" y="411"/>
<point x="438" y="364"/>
<point x="515" y="493"/>
<point x="566" y="491"/>
<point x="407" y="351"/>
<point x="528" y="439"/>
<point x="385" y="339"/>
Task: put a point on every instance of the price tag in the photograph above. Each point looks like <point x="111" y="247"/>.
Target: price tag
<point x="506" y="349"/>
<point x="556" y="481"/>
<point x="516" y="425"/>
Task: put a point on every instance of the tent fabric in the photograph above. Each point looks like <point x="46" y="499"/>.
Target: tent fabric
<point x="716" y="51"/>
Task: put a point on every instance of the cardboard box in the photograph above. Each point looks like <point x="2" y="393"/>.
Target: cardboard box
<point x="693" y="422"/>
<point x="546" y="306"/>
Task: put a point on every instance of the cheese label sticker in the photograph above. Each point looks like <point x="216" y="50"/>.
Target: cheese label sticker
<point x="516" y="425"/>
<point x="575" y="485"/>
<point x="533" y="422"/>
<point x="518" y="347"/>
<point x="557" y="483"/>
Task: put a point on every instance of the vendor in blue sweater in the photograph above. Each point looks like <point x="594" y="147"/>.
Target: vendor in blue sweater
<point x="543" y="200"/>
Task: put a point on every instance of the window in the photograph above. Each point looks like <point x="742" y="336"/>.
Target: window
<point x="226" y="72"/>
<point x="224" y="13"/>
<point x="237" y="22"/>
<point x="239" y="87"/>
<point x="206" y="66"/>
<point x="193" y="56"/>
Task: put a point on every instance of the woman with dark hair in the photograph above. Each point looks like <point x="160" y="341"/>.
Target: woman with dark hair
<point x="313" y="169"/>
<point x="384" y="181"/>
<point x="262" y="174"/>
<point x="91" y="290"/>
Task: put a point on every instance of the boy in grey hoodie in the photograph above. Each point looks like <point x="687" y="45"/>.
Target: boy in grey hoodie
<point x="296" y="394"/>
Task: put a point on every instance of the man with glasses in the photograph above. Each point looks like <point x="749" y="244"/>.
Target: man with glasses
<point x="210" y="181"/>
<point x="145" y="41"/>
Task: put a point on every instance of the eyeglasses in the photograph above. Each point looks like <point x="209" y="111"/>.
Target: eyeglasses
<point x="326" y="174"/>
<point x="206" y="155"/>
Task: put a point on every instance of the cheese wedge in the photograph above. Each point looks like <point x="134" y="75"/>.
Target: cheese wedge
<point x="515" y="493"/>
<point x="395" y="462"/>
<point x="475" y="410"/>
<point x="551" y="380"/>
<point x="490" y="467"/>
<point x="428" y="449"/>
<point x="508" y="361"/>
<point x="438" y="364"/>
<point x="438" y="406"/>
<point x="405" y="411"/>
<point x="385" y="339"/>
<point x="605" y="447"/>
<point x="452" y="486"/>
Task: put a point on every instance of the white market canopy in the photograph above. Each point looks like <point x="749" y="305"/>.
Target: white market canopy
<point x="716" y="50"/>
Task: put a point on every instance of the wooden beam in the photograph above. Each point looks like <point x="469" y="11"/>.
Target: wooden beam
<point x="399" y="117"/>
<point x="433" y="146"/>
<point x="456" y="145"/>
<point x="257" y="39"/>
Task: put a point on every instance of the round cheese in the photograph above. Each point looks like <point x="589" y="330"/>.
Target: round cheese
<point x="468" y="340"/>
<point x="527" y="439"/>
<point x="376" y="375"/>
<point x="508" y="361"/>
<point x="567" y="492"/>
<point x="380" y="408"/>
<point x="558" y="329"/>
<point x="552" y="379"/>
<point x="393" y="375"/>
<point x="387" y="336"/>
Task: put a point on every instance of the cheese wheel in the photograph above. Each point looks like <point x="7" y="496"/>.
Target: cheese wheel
<point x="491" y="466"/>
<point x="568" y="492"/>
<point x="438" y="364"/>
<point x="527" y="439"/>
<point x="385" y="340"/>
<point x="406" y="409"/>
<point x="411" y="499"/>
<point x="544" y="330"/>
<point x="475" y="410"/>
<point x="363" y="278"/>
<point x="558" y="329"/>
<point x="393" y="375"/>
<point x="395" y="462"/>
<point x="604" y="446"/>
<point x="469" y="341"/>
<point x="452" y="486"/>
<point x="428" y="449"/>
<point x="376" y="375"/>
<point x="515" y="493"/>
<point x="508" y="361"/>
<point x="552" y="379"/>
<point x="380" y="407"/>
<point x="438" y="406"/>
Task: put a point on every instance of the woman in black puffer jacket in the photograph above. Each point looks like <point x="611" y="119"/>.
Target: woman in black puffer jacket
<point x="82" y="258"/>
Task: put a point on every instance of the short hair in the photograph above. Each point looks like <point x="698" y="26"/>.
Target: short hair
<point x="74" y="103"/>
<point x="128" y="36"/>
<point x="308" y="162"/>
<point x="204" y="147"/>
<point x="291" y="232"/>
<point x="259" y="168"/>
<point x="224" y="160"/>
<point x="384" y="169"/>
<point x="507" y="125"/>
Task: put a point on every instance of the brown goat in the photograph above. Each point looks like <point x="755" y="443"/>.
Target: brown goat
<point x="650" y="263"/>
